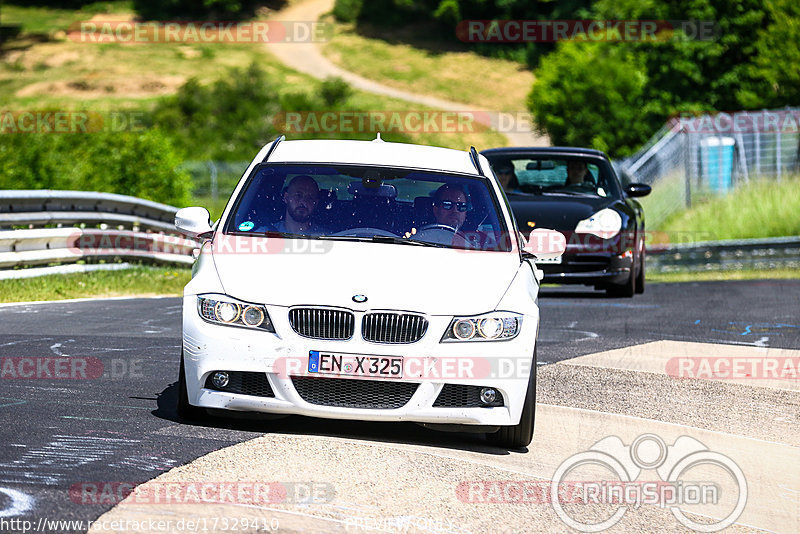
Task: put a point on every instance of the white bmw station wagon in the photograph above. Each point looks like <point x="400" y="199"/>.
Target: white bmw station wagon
<point x="365" y="280"/>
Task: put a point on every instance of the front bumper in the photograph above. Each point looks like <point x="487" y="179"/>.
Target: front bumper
<point x="591" y="260"/>
<point x="502" y="365"/>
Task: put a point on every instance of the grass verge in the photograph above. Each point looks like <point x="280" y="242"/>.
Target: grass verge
<point x="723" y="276"/>
<point x="761" y="209"/>
<point x="140" y="280"/>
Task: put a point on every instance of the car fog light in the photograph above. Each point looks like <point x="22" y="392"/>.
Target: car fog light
<point x="488" y="396"/>
<point x="220" y="379"/>
<point x="464" y="329"/>
<point x="227" y="312"/>
<point x="490" y="328"/>
<point x="252" y="316"/>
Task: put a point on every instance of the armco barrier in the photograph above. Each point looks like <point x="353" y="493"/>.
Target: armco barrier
<point x="110" y="227"/>
<point x="757" y="254"/>
<point x="36" y="208"/>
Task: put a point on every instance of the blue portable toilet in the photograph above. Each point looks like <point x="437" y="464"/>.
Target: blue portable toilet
<point x="716" y="155"/>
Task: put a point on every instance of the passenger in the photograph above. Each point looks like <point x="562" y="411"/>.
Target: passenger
<point x="506" y="176"/>
<point x="450" y="206"/>
<point x="301" y="198"/>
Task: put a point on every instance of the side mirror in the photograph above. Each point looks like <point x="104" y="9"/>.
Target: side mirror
<point x="545" y="244"/>
<point x="194" y="222"/>
<point x="637" y="190"/>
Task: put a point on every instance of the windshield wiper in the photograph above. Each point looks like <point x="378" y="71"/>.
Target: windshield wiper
<point x="275" y="233"/>
<point x="570" y="193"/>
<point x="404" y="241"/>
<point x="381" y="239"/>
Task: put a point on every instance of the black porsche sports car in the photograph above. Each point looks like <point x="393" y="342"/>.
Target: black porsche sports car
<point x="577" y="192"/>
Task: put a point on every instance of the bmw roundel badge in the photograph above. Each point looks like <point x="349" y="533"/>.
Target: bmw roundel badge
<point x="359" y="298"/>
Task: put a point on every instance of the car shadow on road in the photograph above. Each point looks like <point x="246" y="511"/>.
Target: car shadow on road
<point x="573" y="292"/>
<point x="368" y="431"/>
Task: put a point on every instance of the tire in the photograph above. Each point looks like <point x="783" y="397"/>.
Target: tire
<point x="627" y="289"/>
<point x="640" y="274"/>
<point x="185" y="410"/>
<point x="521" y="435"/>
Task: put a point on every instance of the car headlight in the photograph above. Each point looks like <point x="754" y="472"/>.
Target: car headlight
<point x="496" y="326"/>
<point x="221" y="309"/>
<point x="605" y="224"/>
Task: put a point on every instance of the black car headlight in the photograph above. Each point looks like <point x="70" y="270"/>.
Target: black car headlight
<point x="495" y="326"/>
<point x="221" y="309"/>
<point x="605" y="224"/>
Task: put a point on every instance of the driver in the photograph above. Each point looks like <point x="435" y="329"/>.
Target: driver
<point x="578" y="174"/>
<point x="301" y="198"/>
<point x="450" y="206"/>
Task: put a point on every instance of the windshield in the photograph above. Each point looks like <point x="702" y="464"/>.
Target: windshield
<point x="565" y="176"/>
<point x="385" y="204"/>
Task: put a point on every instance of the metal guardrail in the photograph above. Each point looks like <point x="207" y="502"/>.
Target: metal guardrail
<point x="757" y="254"/>
<point x="36" y="208"/>
<point x="90" y="227"/>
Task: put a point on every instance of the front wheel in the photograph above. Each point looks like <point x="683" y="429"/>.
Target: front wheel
<point x="521" y="435"/>
<point x="185" y="410"/>
<point x="640" y="275"/>
<point x="627" y="288"/>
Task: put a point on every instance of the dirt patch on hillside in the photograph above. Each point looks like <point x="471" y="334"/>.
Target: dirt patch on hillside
<point x="139" y="87"/>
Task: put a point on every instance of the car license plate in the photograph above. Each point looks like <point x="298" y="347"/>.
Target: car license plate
<point x="550" y="261"/>
<point x="328" y="363"/>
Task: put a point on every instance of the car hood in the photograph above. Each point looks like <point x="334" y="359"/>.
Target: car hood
<point x="436" y="281"/>
<point x="554" y="211"/>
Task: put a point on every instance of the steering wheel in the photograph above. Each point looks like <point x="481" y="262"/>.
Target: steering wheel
<point x="437" y="226"/>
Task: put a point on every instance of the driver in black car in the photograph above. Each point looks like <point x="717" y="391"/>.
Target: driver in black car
<point x="578" y="174"/>
<point x="450" y="206"/>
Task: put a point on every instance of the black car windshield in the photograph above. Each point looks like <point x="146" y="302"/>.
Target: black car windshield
<point x="564" y="176"/>
<point x="369" y="203"/>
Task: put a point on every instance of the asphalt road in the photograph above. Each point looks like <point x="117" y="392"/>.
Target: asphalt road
<point x="119" y="424"/>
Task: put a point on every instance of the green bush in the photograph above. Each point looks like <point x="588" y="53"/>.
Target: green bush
<point x="347" y="10"/>
<point x="587" y="94"/>
<point x="750" y="62"/>
<point x="141" y="164"/>
<point x="334" y="91"/>
<point x="229" y="120"/>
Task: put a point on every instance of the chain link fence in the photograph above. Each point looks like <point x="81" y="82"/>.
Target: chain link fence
<point x="691" y="158"/>
<point x="214" y="179"/>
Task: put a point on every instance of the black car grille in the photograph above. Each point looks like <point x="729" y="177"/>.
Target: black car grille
<point x="461" y="396"/>
<point x="388" y="327"/>
<point x="321" y="323"/>
<point x="344" y="393"/>
<point x="244" y="383"/>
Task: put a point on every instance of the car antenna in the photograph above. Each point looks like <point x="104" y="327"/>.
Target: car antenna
<point x="378" y="139"/>
<point x="473" y="154"/>
<point x="272" y="148"/>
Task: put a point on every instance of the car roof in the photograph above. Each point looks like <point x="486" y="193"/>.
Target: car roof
<point x="372" y="153"/>
<point x="547" y="150"/>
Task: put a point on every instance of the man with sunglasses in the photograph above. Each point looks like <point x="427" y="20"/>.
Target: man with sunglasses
<point x="450" y="206"/>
